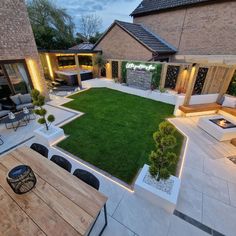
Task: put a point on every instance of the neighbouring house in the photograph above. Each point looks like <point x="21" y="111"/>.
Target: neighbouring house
<point x="20" y="67"/>
<point x="83" y="46"/>
<point x="184" y="30"/>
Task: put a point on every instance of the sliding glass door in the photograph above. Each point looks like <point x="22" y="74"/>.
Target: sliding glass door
<point x="18" y="77"/>
<point x="15" y="78"/>
<point x="5" y="90"/>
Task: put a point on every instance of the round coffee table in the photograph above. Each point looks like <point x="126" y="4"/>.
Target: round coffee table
<point x="15" y="123"/>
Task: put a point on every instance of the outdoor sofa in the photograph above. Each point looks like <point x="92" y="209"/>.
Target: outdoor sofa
<point x="218" y="107"/>
<point x="22" y="100"/>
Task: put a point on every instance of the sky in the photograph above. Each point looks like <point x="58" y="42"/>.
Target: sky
<point x="108" y="10"/>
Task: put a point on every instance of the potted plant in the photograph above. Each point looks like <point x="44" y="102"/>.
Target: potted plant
<point x="47" y="133"/>
<point x="155" y="182"/>
<point x="100" y="62"/>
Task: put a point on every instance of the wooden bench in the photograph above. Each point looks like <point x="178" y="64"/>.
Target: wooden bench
<point x="186" y="109"/>
<point x="199" y="108"/>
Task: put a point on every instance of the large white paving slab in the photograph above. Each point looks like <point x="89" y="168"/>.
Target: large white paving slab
<point x="179" y="227"/>
<point x="114" y="228"/>
<point x="232" y="194"/>
<point x="219" y="216"/>
<point x="210" y="185"/>
<point x="142" y="217"/>
<point x="190" y="203"/>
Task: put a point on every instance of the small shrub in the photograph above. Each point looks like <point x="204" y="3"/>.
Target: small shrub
<point x="39" y="101"/>
<point x="162" y="159"/>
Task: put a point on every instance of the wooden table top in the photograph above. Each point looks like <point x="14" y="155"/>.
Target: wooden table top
<point x="59" y="204"/>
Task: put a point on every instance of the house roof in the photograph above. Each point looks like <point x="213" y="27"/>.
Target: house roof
<point x="149" y="6"/>
<point x="144" y="36"/>
<point x="83" y="46"/>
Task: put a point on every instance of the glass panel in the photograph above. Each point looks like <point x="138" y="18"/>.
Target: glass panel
<point x="5" y="90"/>
<point x="18" y="77"/>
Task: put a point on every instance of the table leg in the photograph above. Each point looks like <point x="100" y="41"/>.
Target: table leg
<point x="105" y="215"/>
<point x="105" y="225"/>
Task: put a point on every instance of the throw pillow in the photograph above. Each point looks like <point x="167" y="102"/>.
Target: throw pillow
<point x="25" y="98"/>
<point x="229" y="101"/>
<point x="16" y="99"/>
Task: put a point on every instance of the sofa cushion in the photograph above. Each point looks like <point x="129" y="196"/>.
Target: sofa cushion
<point x="229" y="101"/>
<point x="16" y="99"/>
<point x="4" y="113"/>
<point x="21" y="106"/>
<point x="25" y="98"/>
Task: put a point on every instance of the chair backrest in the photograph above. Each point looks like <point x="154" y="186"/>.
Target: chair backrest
<point x="40" y="149"/>
<point x="62" y="162"/>
<point x="87" y="177"/>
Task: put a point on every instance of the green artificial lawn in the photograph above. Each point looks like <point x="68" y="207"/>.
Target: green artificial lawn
<point x="115" y="134"/>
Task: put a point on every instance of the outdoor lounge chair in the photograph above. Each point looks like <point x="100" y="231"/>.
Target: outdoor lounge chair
<point x="62" y="162"/>
<point x="40" y="149"/>
<point x="87" y="177"/>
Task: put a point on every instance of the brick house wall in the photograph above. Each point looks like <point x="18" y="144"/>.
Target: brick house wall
<point x="17" y="39"/>
<point x="120" y="45"/>
<point x="202" y="30"/>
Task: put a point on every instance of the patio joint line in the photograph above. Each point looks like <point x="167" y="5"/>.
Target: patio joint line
<point x="197" y="224"/>
<point x="124" y="225"/>
<point x="16" y="145"/>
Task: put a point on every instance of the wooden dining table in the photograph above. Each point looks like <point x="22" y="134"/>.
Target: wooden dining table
<point x="59" y="204"/>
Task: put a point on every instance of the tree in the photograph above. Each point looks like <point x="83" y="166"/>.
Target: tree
<point x="53" y="28"/>
<point x="95" y="38"/>
<point x="39" y="101"/>
<point x="162" y="160"/>
<point x="90" y="25"/>
<point x="100" y="62"/>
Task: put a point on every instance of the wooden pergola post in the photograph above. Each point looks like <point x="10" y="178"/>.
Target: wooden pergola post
<point x="180" y="78"/>
<point x="191" y="83"/>
<point x="78" y="70"/>
<point x="227" y="80"/>
<point x="163" y="75"/>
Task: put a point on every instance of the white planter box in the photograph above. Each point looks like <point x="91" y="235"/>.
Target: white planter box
<point x="162" y="199"/>
<point x="51" y="136"/>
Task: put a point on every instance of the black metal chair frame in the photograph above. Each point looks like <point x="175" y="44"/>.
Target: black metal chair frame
<point x="1" y="141"/>
<point x="105" y="225"/>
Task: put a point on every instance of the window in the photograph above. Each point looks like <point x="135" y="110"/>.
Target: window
<point x="66" y="61"/>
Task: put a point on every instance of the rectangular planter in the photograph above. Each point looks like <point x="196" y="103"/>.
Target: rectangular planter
<point x="50" y="137"/>
<point x="160" y="198"/>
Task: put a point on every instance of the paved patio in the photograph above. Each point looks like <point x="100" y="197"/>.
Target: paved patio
<point x="207" y="194"/>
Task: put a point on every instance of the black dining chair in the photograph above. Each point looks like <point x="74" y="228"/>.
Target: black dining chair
<point x="87" y="177"/>
<point x="91" y="180"/>
<point x="62" y="162"/>
<point x="40" y="149"/>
